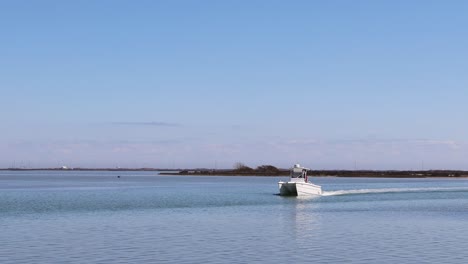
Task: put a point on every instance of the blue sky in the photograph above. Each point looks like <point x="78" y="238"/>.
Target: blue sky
<point x="329" y="84"/>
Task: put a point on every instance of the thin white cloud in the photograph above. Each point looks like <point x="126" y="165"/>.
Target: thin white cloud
<point x="152" y="123"/>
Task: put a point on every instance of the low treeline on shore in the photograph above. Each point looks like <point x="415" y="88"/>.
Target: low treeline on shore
<point x="389" y="173"/>
<point x="264" y="170"/>
<point x="269" y="170"/>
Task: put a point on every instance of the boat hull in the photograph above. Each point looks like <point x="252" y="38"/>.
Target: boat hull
<point x="299" y="189"/>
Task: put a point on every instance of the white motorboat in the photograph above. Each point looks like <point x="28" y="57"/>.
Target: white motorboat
<point x="298" y="184"/>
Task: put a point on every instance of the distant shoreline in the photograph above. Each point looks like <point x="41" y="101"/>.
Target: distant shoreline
<point x="277" y="173"/>
<point x="334" y="173"/>
<point x="87" y="169"/>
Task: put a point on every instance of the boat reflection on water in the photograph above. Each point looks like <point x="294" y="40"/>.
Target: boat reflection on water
<point x="304" y="216"/>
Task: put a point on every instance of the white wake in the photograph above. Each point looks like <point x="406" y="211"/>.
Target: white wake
<point x="392" y="190"/>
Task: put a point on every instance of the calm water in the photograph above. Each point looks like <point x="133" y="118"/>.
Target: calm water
<point x="95" y="217"/>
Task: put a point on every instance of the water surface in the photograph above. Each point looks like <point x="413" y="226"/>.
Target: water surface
<point x="96" y="217"/>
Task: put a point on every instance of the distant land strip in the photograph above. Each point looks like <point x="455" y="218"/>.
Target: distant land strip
<point x="331" y="173"/>
<point x="271" y="171"/>
<point x="87" y="169"/>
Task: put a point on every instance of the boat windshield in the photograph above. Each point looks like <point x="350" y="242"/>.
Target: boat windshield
<point x="298" y="173"/>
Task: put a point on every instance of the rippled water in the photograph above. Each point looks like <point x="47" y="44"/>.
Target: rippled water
<point x="95" y="217"/>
